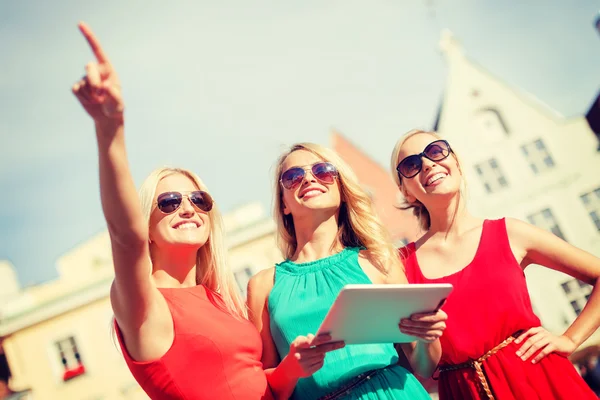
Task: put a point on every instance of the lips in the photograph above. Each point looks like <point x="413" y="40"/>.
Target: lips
<point x="186" y="225"/>
<point x="310" y="192"/>
<point x="435" y="177"/>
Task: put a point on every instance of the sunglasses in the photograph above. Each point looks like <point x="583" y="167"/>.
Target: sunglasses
<point x="324" y="172"/>
<point x="435" y="151"/>
<point x="169" y="202"/>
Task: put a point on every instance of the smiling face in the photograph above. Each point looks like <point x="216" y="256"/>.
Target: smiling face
<point x="187" y="225"/>
<point x="311" y="194"/>
<point x="437" y="180"/>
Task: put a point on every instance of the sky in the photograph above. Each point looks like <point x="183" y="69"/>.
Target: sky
<point x="223" y="89"/>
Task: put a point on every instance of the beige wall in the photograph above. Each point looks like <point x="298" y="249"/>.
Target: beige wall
<point x="35" y="362"/>
<point x="255" y="254"/>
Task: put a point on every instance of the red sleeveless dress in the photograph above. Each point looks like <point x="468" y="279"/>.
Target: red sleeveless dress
<point x="213" y="355"/>
<point x="489" y="303"/>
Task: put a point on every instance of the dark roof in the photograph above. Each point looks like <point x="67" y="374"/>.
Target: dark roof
<point x="593" y="117"/>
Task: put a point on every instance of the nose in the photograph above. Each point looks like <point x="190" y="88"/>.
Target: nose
<point x="187" y="208"/>
<point x="427" y="164"/>
<point x="308" y="176"/>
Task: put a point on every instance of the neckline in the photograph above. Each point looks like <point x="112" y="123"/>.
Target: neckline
<point x="295" y="268"/>
<point x="475" y="256"/>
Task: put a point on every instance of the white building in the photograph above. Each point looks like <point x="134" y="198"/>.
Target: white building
<point x="526" y="161"/>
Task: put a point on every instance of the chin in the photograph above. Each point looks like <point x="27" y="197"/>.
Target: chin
<point x="191" y="241"/>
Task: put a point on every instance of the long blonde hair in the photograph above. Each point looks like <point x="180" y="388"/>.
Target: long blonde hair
<point x="358" y="224"/>
<point x="419" y="210"/>
<point x="212" y="269"/>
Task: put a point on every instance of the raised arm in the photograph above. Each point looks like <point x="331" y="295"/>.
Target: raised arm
<point x="532" y="245"/>
<point x="99" y="92"/>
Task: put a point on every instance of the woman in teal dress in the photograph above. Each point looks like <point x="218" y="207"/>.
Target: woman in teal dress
<point x="331" y="237"/>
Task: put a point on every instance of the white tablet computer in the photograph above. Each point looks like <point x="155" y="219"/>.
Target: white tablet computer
<point x="371" y="313"/>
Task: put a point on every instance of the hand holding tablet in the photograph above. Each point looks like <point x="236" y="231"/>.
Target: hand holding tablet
<point x="371" y="313"/>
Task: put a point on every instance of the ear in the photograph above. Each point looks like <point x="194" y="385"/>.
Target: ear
<point x="284" y="208"/>
<point x="457" y="163"/>
<point x="410" y="199"/>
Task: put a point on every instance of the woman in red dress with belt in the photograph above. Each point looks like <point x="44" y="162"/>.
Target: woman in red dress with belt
<point x="179" y="321"/>
<point x="493" y="346"/>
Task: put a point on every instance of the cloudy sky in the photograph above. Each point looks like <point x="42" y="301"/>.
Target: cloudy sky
<point x="223" y="89"/>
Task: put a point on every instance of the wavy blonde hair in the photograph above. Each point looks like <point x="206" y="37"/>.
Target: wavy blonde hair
<point x="419" y="210"/>
<point x="212" y="269"/>
<point x="358" y="224"/>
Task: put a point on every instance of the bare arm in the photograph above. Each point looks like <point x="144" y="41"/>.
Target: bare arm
<point x="532" y="245"/>
<point x="307" y="353"/>
<point x="424" y="354"/>
<point x="133" y="294"/>
<point x="259" y="288"/>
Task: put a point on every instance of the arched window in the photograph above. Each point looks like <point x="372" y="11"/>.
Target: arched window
<point x="489" y="123"/>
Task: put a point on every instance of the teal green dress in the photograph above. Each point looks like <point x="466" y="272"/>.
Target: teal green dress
<point x="301" y="296"/>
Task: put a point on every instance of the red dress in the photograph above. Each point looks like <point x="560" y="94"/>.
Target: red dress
<point x="489" y="303"/>
<point x="213" y="355"/>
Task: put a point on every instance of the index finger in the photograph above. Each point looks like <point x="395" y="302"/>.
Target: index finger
<point x="327" y="347"/>
<point x="94" y="43"/>
<point x="319" y="340"/>
<point x="428" y="317"/>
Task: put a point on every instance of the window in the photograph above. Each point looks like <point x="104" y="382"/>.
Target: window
<point x="491" y="175"/>
<point x="577" y="293"/>
<point x="538" y="156"/>
<point x="70" y="358"/>
<point x="591" y="202"/>
<point x="242" y="277"/>
<point x="545" y="220"/>
<point x="489" y="124"/>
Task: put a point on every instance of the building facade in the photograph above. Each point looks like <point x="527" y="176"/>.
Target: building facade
<point x="56" y="337"/>
<point x="524" y="160"/>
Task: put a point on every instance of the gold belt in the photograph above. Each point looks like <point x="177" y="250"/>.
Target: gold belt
<point x="477" y="365"/>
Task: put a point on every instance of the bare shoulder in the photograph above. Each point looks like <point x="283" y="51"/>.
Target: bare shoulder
<point x="262" y="280"/>
<point x="524" y="235"/>
<point x="515" y="227"/>
<point x="259" y="287"/>
<point x="148" y="336"/>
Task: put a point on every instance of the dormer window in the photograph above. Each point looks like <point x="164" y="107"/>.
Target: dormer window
<point x="489" y="123"/>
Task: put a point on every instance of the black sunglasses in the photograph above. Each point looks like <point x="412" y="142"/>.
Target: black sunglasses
<point x="435" y="151"/>
<point x="169" y="202"/>
<point x="323" y="171"/>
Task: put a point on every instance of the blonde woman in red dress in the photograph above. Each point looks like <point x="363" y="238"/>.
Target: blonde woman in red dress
<point x="494" y="346"/>
<point x="180" y="322"/>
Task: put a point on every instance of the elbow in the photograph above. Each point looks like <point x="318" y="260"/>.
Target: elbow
<point x="424" y="371"/>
